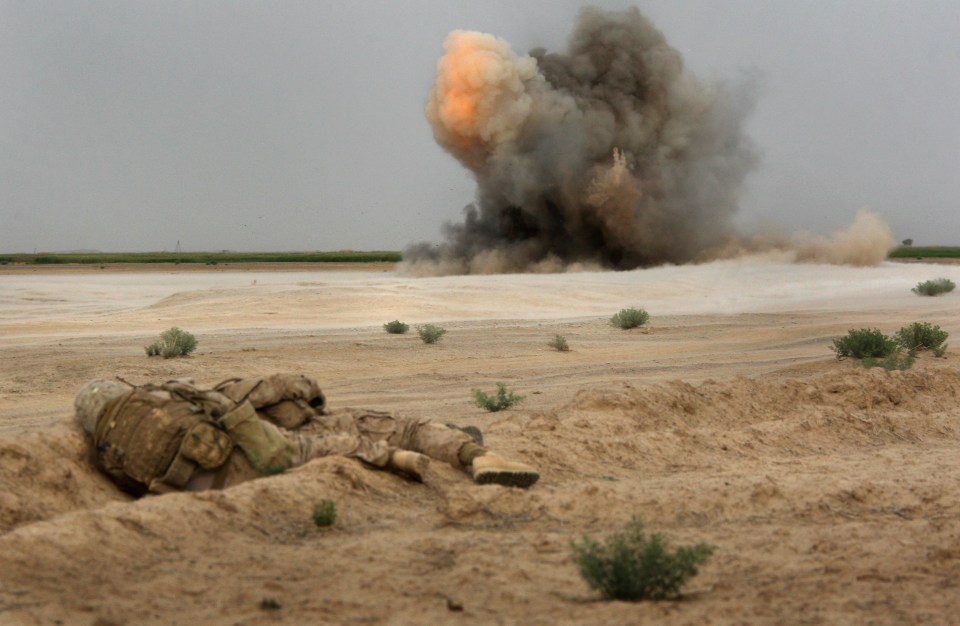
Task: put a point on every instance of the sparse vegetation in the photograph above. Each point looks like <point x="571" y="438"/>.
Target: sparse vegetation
<point x="559" y="343"/>
<point x="502" y="400"/>
<point x="173" y="342"/>
<point x="630" y="318"/>
<point x="896" y="361"/>
<point x="430" y="333"/>
<point x="633" y="566"/>
<point x="891" y="353"/>
<point x="269" y="604"/>
<point x="396" y="327"/>
<point x="934" y="287"/>
<point x="922" y="336"/>
<point x="863" y="343"/>
<point x="324" y="513"/>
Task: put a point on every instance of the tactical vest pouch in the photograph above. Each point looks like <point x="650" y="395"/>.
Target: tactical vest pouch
<point x="206" y="445"/>
<point x="138" y="440"/>
<point x="287" y="400"/>
<point x="263" y="443"/>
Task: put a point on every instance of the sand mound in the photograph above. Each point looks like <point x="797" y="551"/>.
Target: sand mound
<point x="830" y="492"/>
<point x="771" y="470"/>
<point x="44" y="474"/>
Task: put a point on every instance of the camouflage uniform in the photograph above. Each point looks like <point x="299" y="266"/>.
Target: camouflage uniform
<point x="419" y="435"/>
<point x="178" y="437"/>
<point x="296" y="403"/>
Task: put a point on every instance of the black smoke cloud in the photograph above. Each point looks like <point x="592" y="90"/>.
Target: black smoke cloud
<point x="610" y="155"/>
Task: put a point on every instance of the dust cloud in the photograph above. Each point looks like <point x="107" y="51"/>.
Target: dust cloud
<point x="609" y="156"/>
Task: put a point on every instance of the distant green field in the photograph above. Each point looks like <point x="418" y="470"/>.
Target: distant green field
<point x="208" y="258"/>
<point x="343" y="256"/>
<point x="924" y="252"/>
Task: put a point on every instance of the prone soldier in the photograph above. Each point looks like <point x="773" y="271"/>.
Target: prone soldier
<point x="176" y="436"/>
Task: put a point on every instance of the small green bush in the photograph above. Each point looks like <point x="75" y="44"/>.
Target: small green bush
<point x="396" y="327"/>
<point x="269" y="604"/>
<point x="934" y="287"/>
<point x="559" y="343"/>
<point x="173" y="342"/>
<point x="324" y="513"/>
<point x="896" y="361"/>
<point x="503" y="399"/>
<point x="629" y="318"/>
<point x="632" y="566"/>
<point x="864" y="343"/>
<point x="430" y="333"/>
<point x="921" y="336"/>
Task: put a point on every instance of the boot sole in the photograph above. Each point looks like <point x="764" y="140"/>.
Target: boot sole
<point x="507" y="478"/>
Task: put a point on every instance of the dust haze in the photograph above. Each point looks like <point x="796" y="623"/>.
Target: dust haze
<point x="609" y="156"/>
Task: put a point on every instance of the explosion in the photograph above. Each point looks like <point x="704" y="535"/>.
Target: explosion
<point x="481" y="97"/>
<point x="611" y="155"/>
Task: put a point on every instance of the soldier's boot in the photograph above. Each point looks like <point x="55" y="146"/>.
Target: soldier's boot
<point x="493" y="469"/>
<point x="411" y="464"/>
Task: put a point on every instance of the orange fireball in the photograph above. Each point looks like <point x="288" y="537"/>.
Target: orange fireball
<point x="481" y="94"/>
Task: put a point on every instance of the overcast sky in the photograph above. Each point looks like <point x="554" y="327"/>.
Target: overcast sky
<point x="299" y="125"/>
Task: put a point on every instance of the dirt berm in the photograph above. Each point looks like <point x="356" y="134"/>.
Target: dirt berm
<point x="831" y="497"/>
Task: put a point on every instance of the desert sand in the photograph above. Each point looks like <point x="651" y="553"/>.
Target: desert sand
<point x="831" y="493"/>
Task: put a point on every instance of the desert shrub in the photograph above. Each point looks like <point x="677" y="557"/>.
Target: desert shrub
<point x="934" y="287"/>
<point x="324" y="513"/>
<point x="866" y="342"/>
<point x="173" y="342"/>
<point x="895" y="361"/>
<point x="921" y="336"/>
<point x="630" y="318"/>
<point x="559" y="343"/>
<point x="396" y="327"/>
<point x="430" y="333"/>
<point x="634" y="566"/>
<point x="502" y="400"/>
<point x="269" y="604"/>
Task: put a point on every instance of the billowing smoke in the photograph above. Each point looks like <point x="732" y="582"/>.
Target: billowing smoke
<point x="610" y="155"/>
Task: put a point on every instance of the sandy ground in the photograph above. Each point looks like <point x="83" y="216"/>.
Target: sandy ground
<point x="830" y="492"/>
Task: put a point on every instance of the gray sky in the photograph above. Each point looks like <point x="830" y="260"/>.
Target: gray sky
<point x="299" y="125"/>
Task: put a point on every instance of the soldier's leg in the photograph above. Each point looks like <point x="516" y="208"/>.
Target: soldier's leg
<point x="450" y="445"/>
<point x="377" y="453"/>
<point x="271" y="448"/>
<point x="309" y="447"/>
<point x="459" y="448"/>
<point x="435" y="440"/>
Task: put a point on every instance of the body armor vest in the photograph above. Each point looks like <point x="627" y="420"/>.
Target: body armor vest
<point x="146" y="442"/>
